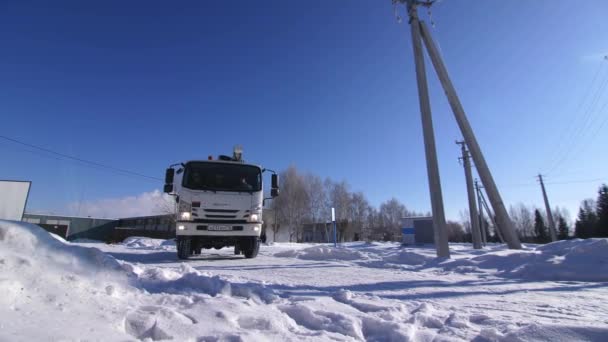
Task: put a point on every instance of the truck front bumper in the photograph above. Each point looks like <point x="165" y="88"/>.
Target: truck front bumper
<point x="187" y="228"/>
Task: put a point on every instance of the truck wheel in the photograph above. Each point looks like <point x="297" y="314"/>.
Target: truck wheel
<point x="184" y="248"/>
<point x="252" y="249"/>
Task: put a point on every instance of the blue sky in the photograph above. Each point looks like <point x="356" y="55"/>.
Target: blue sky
<point x="327" y="86"/>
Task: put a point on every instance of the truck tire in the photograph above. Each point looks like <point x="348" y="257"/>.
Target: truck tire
<point x="252" y="248"/>
<point x="184" y="248"/>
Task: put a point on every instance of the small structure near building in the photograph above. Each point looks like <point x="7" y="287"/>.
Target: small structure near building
<point x="417" y="230"/>
<point x="317" y="232"/>
<point x="13" y="199"/>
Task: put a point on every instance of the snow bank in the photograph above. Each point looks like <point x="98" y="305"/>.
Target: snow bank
<point x="83" y="240"/>
<point x="188" y="280"/>
<point x="571" y="260"/>
<point x="46" y="282"/>
<point x="147" y="243"/>
<point x="25" y="244"/>
<point x="323" y="253"/>
<point x="407" y="258"/>
<point x="554" y="333"/>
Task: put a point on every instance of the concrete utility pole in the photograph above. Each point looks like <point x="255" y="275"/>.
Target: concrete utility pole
<point x="505" y="223"/>
<point x="482" y="224"/>
<point x="552" y="230"/>
<point x="491" y="215"/>
<point x="440" y="229"/>
<point x="475" y="231"/>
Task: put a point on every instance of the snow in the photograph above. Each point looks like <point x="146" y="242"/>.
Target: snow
<point x="56" y="290"/>
<point x="572" y="260"/>
<point x="146" y="243"/>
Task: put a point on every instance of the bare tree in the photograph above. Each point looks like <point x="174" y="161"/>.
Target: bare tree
<point x="465" y="220"/>
<point x="359" y="213"/>
<point x="340" y="198"/>
<point x="293" y="204"/>
<point x="308" y="199"/>
<point x="523" y="220"/>
<point x="455" y="232"/>
<point x="391" y="213"/>
<point x="317" y="200"/>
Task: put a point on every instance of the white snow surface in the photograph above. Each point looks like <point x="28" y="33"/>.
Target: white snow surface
<point x="56" y="290"/>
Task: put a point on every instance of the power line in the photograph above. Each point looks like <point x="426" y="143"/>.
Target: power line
<point x="599" y="179"/>
<point x="580" y="181"/>
<point x="81" y="160"/>
<point x="585" y="120"/>
<point x="562" y="135"/>
<point x="589" y="139"/>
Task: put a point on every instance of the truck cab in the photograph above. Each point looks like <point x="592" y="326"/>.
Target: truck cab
<point x="219" y="204"/>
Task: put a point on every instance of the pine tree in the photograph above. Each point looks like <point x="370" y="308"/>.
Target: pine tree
<point x="586" y="220"/>
<point x="539" y="228"/>
<point x="579" y="227"/>
<point x="563" y="231"/>
<point x="602" y="212"/>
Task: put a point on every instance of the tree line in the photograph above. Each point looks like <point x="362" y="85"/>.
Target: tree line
<point x="592" y="218"/>
<point x="307" y="199"/>
<point x="531" y="223"/>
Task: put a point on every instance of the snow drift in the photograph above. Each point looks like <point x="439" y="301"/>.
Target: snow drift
<point x="570" y="260"/>
<point x="28" y="247"/>
<point x="144" y="242"/>
<point x="42" y="277"/>
<point x="323" y="252"/>
<point x="359" y="292"/>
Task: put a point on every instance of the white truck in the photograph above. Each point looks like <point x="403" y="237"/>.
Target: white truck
<point x="219" y="204"/>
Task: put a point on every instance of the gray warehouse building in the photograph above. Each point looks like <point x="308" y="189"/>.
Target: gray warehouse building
<point x="103" y="229"/>
<point x="72" y="227"/>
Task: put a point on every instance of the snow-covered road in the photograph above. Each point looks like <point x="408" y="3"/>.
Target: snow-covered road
<point x="373" y="292"/>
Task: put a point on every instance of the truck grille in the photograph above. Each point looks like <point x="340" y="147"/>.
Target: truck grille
<point x="234" y="228"/>
<point x="218" y="221"/>
<point x="228" y="211"/>
<point x="221" y="214"/>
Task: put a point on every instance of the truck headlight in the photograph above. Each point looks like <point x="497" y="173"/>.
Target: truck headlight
<point x="185" y="216"/>
<point x="253" y="218"/>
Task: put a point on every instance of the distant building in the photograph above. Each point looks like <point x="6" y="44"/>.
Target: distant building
<point x="103" y="229"/>
<point x="73" y="227"/>
<point x="320" y="232"/>
<point x="155" y="226"/>
<point x="417" y="230"/>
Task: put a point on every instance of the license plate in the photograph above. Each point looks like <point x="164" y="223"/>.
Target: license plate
<point x="216" y="228"/>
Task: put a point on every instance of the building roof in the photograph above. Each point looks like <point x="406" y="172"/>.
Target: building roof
<point x="70" y="216"/>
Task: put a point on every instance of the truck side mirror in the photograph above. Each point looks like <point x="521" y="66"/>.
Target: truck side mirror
<point x="274" y="192"/>
<point x="275" y="181"/>
<point x="169" y="174"/>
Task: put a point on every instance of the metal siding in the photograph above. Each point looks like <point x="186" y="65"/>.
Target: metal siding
<point x="424" y="230"/>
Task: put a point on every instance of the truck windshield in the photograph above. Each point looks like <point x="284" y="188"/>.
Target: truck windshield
<point x="222" y="177"/>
